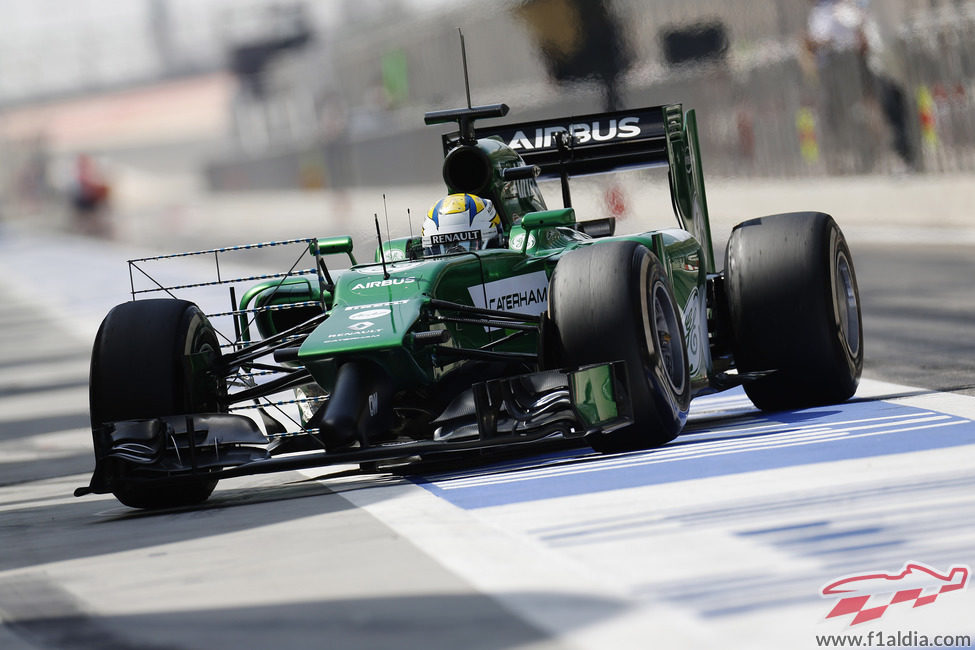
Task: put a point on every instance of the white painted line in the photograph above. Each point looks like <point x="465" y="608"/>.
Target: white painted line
<point x="550" y="590"/>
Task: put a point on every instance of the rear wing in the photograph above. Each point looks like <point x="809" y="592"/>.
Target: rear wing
<point x="599" y="143"/>
<point x="608" y="142"/>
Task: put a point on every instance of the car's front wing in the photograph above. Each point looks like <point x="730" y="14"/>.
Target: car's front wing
<point x="510" y="412"/>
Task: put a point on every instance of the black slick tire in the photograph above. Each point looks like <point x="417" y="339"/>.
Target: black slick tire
<point x="140" y="368"/>
<point x="612" y="301"/>
<point x="795" y="310"/>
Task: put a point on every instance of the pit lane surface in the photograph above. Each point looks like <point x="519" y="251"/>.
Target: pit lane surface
<point x="723" y="537"/>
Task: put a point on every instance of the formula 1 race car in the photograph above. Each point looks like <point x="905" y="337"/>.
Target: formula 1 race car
<point x="505" y="324"/>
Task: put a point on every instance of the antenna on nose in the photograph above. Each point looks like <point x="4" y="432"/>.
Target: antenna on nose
<point x="382" y="254"/>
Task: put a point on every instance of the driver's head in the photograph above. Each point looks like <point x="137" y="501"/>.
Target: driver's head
<point x="461" y="222"/>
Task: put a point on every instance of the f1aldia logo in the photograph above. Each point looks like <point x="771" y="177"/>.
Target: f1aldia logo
<point x="867" y="596"/>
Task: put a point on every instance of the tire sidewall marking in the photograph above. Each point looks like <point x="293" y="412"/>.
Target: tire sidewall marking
<point x="660" y="381"/>
<point x="200" y="337"/>
<point x="835" y="249"/>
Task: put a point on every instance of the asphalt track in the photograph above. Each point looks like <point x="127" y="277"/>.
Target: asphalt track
<point x="721" y="539"/>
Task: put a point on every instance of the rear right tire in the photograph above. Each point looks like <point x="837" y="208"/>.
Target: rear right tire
<point x="795" y="310"/>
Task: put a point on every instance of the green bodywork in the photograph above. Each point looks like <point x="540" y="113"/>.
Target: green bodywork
<point x="374" y="311"/>
<point x="594" y="395"/>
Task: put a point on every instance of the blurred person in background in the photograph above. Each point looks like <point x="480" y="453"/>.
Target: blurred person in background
<point x="89" y="198"/>
<point x="858" y="75"/>
<point x="32" y="180"/>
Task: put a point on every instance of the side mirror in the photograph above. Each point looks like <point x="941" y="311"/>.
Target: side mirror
<point x="605" y="227"/>
<point x="332" y="246"/>
<point x="520" y="173"/>
<point x="548" y="219"/>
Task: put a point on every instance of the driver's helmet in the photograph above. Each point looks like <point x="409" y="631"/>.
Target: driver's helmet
<point x="459" y="223"/>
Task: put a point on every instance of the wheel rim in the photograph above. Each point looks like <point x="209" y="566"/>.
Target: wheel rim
<point x="846" y="305"/>
<point x="667" y="337"/>
<point x="203" y="387"/>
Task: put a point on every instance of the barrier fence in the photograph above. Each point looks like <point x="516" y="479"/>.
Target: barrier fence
<point x="346" y="109"/>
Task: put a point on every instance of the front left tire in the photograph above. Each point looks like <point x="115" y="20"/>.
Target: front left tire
<point x="612" y="301"/>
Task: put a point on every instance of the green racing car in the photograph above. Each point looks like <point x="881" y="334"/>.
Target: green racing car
<point x="505" y="324"/>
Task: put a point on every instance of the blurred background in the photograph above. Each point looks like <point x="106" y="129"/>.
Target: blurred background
<point x="143" y="119"/>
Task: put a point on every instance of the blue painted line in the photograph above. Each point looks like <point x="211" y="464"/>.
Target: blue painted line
<point x="848" y="550"/>
<point x="764" y="441"/>
<point x="784" y="529"/>
<point x="835" y="535"/>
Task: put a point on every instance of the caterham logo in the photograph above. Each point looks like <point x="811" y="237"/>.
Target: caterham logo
<point x="521" y="294"/>
<point x="377" y="269"/>
<point x="518" y="241"/>
<point x="693" y="317"/>
<point x="369" y="313"/>
<point x="373" y="305"/>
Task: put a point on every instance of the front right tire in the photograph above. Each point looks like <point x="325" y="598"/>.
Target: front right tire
<point x="612" y="301"/>
<point x="153" y="358"/>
